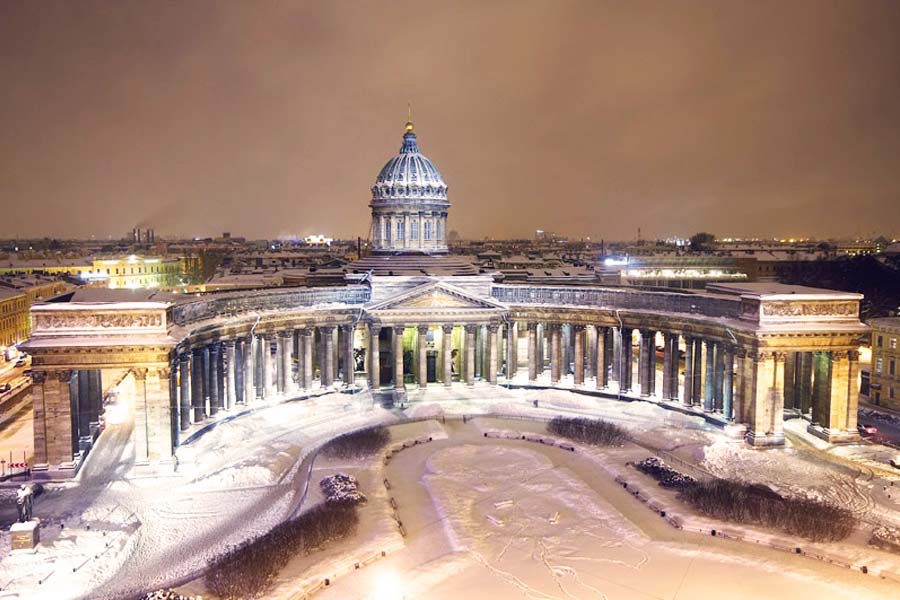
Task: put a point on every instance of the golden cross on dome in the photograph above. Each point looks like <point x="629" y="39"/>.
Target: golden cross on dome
<point x="409" y="124"/>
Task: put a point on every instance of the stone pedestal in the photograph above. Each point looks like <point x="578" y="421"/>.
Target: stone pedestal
<point x="833" y="436"/>
<point x="25" y="536"/>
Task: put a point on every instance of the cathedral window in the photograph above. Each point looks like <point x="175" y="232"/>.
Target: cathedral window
<point x="414" y="230"/>
<point x="427" y="230"/>
<point x="400" y="231"/>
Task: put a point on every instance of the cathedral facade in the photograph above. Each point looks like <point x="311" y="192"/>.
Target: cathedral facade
<point x="413" y="320"/>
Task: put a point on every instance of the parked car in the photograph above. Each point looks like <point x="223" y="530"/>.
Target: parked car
<point x="4" y="387"/>
<point x="866" y="429"/>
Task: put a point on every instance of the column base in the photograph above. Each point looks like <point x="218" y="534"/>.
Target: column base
<point x="833" y="436"/>
<point x="764" y="440"/>
<point x="737" y="431"/>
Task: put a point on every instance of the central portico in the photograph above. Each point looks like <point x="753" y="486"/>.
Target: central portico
<point x="435" y="331"/>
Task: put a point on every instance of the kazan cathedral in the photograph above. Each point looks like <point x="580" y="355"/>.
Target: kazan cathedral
<point x="413" y="321"/>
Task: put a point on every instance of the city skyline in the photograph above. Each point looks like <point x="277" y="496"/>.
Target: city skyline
<point x="207" y="118"/>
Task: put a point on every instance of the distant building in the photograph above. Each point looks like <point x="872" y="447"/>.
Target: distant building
<point x="884" y="385"/>
<point x="134" y="272"/>
<point x="13" y="317"/>
<point x="17" y="294"/>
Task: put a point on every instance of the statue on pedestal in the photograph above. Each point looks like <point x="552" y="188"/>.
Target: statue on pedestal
<point x="25" y="503"/>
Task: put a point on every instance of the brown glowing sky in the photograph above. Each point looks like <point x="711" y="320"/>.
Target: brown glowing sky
<point x="589" y="118"/>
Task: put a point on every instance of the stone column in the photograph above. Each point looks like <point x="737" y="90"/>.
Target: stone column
<point x="95" y="390"/>
<point x="230" y="382"/>
<point x="742" y="385"/>
<point x="152" y="418"/>
<point x="374" y="357"/>
<point x="207" y="381"/>
<point x="790" y="380"/>
<point x="844" y="397"/>
<point x="719" y="378"/>
<point x="239" y="354"/>
<point x="197" y="400"/>
<point x="532" y="352"/>
<point x="287" y="360"/>
<point x="804" y="384"/>
<point x="767" y="415"/>
<point x="626" y="366"/>
<point x="279" y="363"/>
<point x="493" y="329"/>
<point x="421" y="340"/>
<point x="709" y="377"/>
<point x="397" y="348"/>
<point x="821" y="388"/>
<point x="327" y="355"/>
<point x="349" y="332"/>
<point x="447" y="352"/>
<point x="268" y="366"/>
<point x="53" y="431"/>
<point x="306" y="368"/>
<point x="214" y="353"/>
<point x="727" y="383"/>
<point x="687" y="397"/>
<point x="697" y="374"/>
<point x="578" y="375"/>
<point x="643" y="363"/>
<point x="555" y="354"/>
<point x="590" y="357"/>
<point x="184" y="384"/>
<point x="602" y="357"/>
<point x="668" y="359"/>
<point x="249" y="355"/>
<point x="470" y="354"/>
<point x="512" y="341"/>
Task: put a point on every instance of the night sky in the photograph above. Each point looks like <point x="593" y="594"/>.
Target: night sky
<point x="590" y="118"/>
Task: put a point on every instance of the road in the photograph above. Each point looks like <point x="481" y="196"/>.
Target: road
<point x="888" y="425"/>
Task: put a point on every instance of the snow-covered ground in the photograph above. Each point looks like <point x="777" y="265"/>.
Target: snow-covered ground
<point x="501" y="517"/>
<point x="492" y="518"/>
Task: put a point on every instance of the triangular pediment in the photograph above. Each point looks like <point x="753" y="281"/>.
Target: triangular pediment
<point x="436" y="295"/>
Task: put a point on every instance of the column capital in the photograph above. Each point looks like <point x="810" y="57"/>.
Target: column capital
<point x="422" y="329"/>
<point x="184" y="357"/>
<point x="140" y="373"/>
<point x="398" y="329"/>
<point x="326" y="328"/>
<point x="578" y="327"/>
<point x="471" y="328"/>
<point x="347" y="328"/>
<point x="38" y="377"/>
<point x="493" y="327"/>
<point x="375" y="328"/>
<point x="286" y="333"/>
<point x="448" y="329"/>
<point x="853" y="355"/>
<point x="532" y="326"/>
<point x="305" y="331"/>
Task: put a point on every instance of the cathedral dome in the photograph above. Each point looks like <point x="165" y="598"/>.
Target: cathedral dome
<point x="409" y="175"/>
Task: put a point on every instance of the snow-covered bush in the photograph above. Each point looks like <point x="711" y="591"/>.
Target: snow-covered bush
<point x="342" y="489"/>
<point x="886" y="538"/>
<point x="248" y="570"/>
<point x="755" y="504"/>
<point x="589" y="431"/>
<point x="358" y="444"/>
<point x="166" y="595"/>
<point x="664" y="474"/>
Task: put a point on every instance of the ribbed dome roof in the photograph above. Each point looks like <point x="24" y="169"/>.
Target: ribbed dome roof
<point x="409" y="175"/>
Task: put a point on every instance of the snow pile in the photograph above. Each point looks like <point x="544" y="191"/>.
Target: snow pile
<point x="342" y="489"/>
<point x="664" y="474"/>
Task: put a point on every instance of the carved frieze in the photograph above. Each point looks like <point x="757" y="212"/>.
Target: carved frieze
<point x="787" y="308"/>
<point x="98" y="320"/>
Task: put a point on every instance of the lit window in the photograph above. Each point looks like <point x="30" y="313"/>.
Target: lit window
<point x="893" y="343"/>
<point x="879" y="365"/>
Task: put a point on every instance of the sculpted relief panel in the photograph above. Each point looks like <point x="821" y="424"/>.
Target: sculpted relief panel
<point x="786" y="308"/>
<point x="93" y="320"/>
